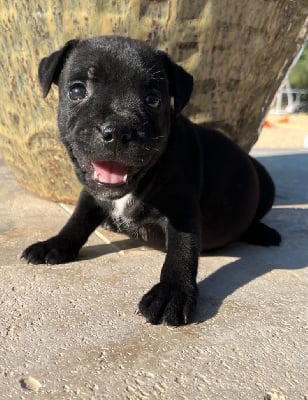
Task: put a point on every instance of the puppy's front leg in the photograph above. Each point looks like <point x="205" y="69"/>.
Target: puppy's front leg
<point x="65" y="246"/>
<point x="172" y="301"/>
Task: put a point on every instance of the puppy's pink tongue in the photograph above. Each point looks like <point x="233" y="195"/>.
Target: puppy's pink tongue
<point x="110" y="172"/>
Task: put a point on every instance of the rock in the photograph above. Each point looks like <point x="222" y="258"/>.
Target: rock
<point x="274" y="395"/>
<point x="30" y="383"/>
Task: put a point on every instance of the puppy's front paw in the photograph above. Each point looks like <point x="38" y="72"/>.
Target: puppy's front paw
<point x="55" y="250"/>
<point x="168" y="304"/>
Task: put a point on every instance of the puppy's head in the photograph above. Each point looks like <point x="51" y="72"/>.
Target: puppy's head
<point x="114" y="108"/>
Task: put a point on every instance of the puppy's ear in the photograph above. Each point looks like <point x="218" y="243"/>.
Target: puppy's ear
<point x="181" y="83"/>
<point x="51" y="66"/>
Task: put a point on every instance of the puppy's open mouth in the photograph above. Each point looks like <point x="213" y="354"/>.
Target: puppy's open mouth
<point x="110" y="172"/>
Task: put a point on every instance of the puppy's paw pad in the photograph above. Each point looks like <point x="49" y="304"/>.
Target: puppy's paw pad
<point x="168" y="304"/>
<point x="52" y="251"/>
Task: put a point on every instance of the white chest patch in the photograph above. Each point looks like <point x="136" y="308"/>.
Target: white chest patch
<point x="120" y="205"/>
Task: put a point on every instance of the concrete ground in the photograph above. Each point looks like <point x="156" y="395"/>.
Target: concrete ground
<point x="71" y="332"/>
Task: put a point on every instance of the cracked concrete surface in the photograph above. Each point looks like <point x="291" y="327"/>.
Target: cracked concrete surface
<point x="70" y="331"/>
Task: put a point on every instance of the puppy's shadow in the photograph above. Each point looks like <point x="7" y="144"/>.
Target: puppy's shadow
<point x="254" y="261"/>
<point x="119" y="242"/>
<point x="90" y="252"/>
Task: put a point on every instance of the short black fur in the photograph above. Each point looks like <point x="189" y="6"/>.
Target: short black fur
<point x="190" y="185"/>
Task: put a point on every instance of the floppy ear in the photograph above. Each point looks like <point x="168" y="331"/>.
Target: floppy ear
<point x="181" y="83"/>
<point x="51" y="66"/>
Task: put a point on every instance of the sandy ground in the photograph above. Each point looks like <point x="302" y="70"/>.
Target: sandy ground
<point x="281" y="132"/>
<point x="71" y="332"/>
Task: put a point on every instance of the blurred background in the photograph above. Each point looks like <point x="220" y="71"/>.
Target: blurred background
<point x="286" y="124"/>
<point x="238" y="52"/>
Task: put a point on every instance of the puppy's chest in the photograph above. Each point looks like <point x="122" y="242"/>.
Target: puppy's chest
<point x="130" y="213"/>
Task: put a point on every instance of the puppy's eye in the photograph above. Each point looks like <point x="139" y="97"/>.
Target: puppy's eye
<point x="153" y="101"/>
<point x="77" y="92"/>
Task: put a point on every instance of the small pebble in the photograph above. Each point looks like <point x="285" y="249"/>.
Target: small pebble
<point x="274" y="395"/>
<point x="30" y="383"/>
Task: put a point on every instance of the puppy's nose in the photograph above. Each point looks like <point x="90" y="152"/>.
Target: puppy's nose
<point x="113" y="132"/>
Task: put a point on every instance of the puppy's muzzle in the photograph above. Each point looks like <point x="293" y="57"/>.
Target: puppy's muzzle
<point x="121" y="156"/>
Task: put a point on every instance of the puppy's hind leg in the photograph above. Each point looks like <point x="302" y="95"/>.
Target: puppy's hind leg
<point x="261" y="235"/>
<point x="258" y="233"/>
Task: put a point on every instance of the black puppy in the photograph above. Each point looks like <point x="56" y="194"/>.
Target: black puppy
<point x="146" y="169"/>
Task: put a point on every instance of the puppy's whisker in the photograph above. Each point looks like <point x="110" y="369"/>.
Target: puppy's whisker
<point x="152" y="67"/>
<point x="158" y="137"/>
<point x="154" y="78"/>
